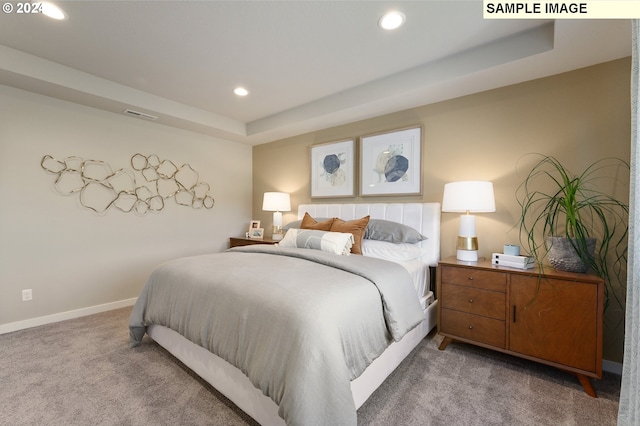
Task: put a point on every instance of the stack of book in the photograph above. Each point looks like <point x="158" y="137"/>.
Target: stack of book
<point x="521" y="262"/>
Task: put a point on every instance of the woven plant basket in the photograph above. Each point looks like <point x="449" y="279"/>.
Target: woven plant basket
<point x="563" y="256"/>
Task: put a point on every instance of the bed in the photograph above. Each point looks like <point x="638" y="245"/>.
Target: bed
<point x="234" y="382"/>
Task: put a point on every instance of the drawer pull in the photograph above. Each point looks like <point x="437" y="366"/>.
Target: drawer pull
<point x="470" y="278"/>
<point x="470" y="300"/>
<point x="470" y="327"/>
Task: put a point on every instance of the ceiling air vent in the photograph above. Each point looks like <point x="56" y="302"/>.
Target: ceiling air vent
<point x="140" y="114"/>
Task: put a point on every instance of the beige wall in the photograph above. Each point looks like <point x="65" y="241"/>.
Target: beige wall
<point x="577" y="116"/>
<point x="76" y="260"/>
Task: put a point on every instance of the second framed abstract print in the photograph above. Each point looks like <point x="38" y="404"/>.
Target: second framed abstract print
<point x="390" y="163"/>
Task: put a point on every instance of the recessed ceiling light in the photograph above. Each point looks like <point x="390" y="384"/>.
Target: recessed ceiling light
<point x="53" y="11"/>
<point x="391" y="20"/>
<point x="240" y="91"/>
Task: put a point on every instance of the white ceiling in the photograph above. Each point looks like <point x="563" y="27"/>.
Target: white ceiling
<point x="308" y="65"/>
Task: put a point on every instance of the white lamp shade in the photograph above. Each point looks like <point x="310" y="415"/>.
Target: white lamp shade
<point x="468" y="196"/>
<point x="276" y="201"/>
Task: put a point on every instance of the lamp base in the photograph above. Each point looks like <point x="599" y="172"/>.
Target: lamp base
<point x="467" y="249"/>
<point x="467" y="243"/>
<point x="276" y="233"/>
<point x="467" y="255"/>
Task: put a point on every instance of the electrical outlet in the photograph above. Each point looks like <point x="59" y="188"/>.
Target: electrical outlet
<point x="27" y="295"/>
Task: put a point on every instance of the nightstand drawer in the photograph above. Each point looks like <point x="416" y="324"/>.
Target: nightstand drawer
<point x="473" y="300"/>
<point x="473" y="327"/>
<point x="488" y="280"/>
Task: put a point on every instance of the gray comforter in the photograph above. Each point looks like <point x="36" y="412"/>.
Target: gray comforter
<point x="301" y="324"/>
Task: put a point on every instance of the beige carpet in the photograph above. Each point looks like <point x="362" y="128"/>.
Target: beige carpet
<point x="82" y="372"/>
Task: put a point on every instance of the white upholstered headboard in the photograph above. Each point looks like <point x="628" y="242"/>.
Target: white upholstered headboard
<point x="425" y="217"/>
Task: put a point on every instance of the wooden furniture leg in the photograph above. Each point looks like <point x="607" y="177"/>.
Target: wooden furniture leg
<point x="586" y="384"/>
<point x="445" y="342"/>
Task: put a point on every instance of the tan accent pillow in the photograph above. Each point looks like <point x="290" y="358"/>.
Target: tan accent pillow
<point x="355" y="227"/>
<point x="310" y="223"/>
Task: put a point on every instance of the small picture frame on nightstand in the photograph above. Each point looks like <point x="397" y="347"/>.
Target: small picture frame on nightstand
<point x="254" y="224"/>
<point x="256" y="233"/>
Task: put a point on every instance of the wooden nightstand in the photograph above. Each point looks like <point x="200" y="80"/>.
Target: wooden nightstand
<point x="241" y="241"/>
<point x="547" y="316"/>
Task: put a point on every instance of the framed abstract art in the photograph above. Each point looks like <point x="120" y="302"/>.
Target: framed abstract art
<point x="332" y="169"/>
<point x="390" y="163"/>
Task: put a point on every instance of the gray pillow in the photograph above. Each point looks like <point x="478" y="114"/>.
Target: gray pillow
<point x="393" y="232"/>
<point x="296" y="225"/>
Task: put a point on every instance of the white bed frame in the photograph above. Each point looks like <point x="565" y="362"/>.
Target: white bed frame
<point x="231" y="382"/>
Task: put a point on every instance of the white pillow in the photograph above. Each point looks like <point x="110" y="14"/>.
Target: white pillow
<point x="332" y="242"/>
<point x="395" y="252"/>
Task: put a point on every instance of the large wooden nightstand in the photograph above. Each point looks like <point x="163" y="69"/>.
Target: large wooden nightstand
<point x="241" y="241"/>
<point x="547" y="316"/>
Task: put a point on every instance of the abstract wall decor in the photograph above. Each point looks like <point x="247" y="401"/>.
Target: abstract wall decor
<point x="332" y="169"/>
<point x="141" y="189"/>
<point x="390" y="163"/>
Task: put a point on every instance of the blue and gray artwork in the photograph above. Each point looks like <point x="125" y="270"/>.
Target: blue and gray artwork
<point x="396" y="168"/>
<point x="333" y="172"/>
<point x="331" y="163"/>
<point x="391" y="165"/>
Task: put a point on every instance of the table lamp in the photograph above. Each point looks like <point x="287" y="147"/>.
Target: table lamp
<point x="276" y="202"/>
<point x="468" y="197"/>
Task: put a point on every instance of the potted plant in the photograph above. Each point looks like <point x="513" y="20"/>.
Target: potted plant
<point x="564" y="215"/>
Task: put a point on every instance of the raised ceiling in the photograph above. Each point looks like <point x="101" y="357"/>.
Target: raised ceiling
<point x="307" y="64"/>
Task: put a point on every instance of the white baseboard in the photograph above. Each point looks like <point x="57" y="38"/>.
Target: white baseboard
<point x="612" y="367"/>
<point x="62" y="316"/>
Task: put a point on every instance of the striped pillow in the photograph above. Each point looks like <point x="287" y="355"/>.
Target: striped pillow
<point x="332" y="242"/>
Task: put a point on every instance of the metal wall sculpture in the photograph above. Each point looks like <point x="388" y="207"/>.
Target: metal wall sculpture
<point x="141" y="189"/>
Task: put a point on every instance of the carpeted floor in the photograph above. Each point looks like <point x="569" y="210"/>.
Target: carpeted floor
<point x="82" y="372"/>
